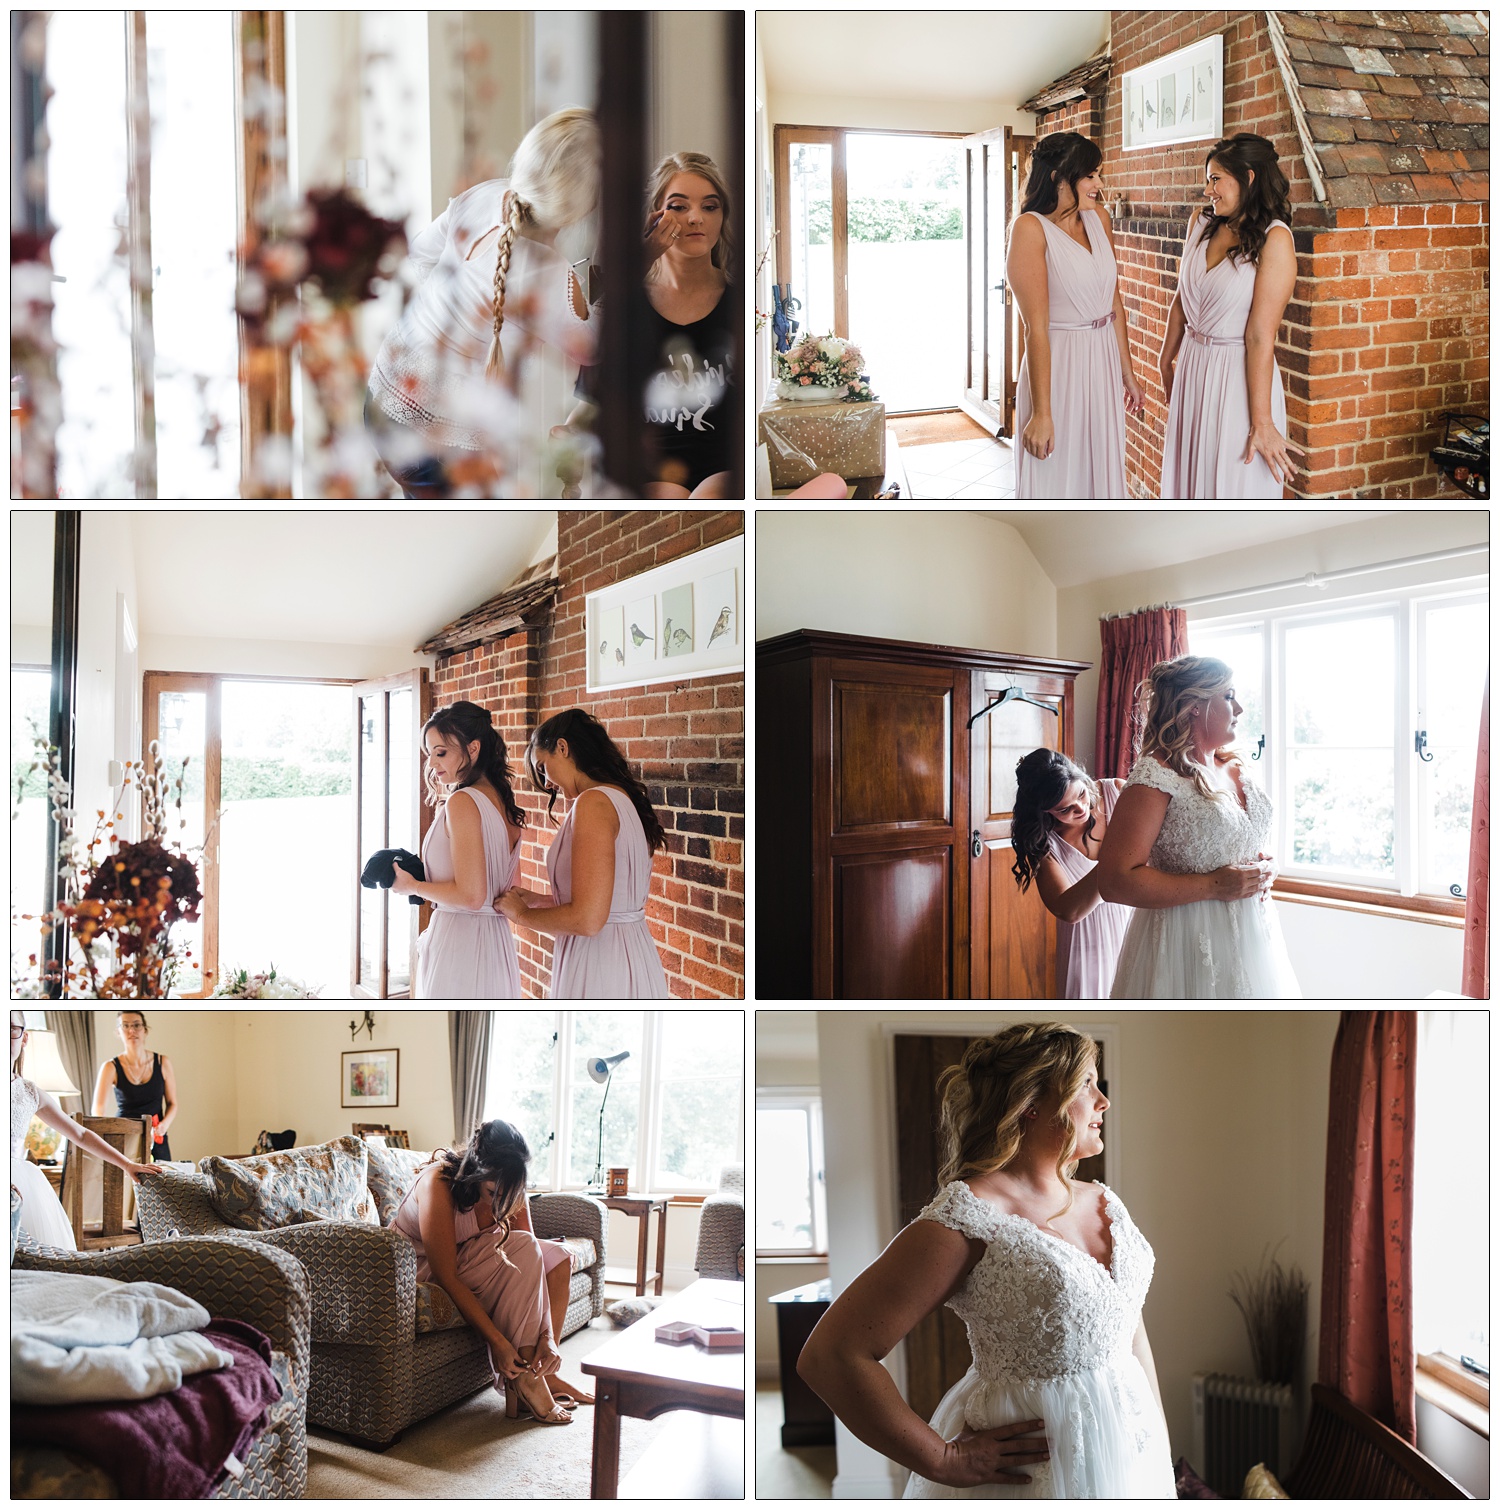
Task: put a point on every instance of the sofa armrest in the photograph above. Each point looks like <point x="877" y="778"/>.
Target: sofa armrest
<point x="241" y="1280"/>
<point x="721" y="1238"/>
<point x="557" y="1216"/>
<point x="176" y="1201"/>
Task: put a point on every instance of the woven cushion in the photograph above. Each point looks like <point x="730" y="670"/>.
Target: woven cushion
<point x="392" y="1172"/>
<point x="327" y="1183"/>
<point x="436" y="1311"/>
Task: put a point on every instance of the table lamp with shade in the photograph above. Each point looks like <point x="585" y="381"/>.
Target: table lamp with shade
<point x="44" y="1069"/>
<point x="601" y="1072"/>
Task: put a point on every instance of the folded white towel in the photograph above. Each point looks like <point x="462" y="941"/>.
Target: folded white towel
<point x="82" y="1337"/>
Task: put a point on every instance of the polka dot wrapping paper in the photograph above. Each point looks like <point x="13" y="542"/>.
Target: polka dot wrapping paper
<point x="806" y="439"/>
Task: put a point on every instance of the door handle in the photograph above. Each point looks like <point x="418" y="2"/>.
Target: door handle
<point x="976" y="846"/>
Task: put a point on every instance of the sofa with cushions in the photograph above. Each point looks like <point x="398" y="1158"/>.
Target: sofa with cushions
<point x="386" y="1351"/>
<point x="243" y="1280"/>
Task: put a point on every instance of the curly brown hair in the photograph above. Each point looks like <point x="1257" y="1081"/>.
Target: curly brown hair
<point x="1264" y="192"/>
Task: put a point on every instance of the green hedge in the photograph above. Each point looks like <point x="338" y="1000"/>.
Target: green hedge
<point x="890" y="220"/>
<point x="242" y="779"/>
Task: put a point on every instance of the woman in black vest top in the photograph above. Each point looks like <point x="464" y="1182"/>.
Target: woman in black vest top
<point x="143" y="1082"/>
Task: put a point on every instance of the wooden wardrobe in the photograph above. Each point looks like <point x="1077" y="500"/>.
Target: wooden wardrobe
<point x="882" y="851"/>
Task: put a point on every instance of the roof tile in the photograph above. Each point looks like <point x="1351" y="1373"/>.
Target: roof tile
<point x="1394" y="189"/>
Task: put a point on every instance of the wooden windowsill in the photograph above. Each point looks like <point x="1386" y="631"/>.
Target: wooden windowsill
<point x="1372" y="903"/>
<point x="782" y="1260"/>
<point x="1453" y="1399"/>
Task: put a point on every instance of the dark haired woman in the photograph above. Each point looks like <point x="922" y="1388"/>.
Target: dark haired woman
<point x="1226" y="413"/>
<point x="1047" y="1272"/>
<point x="143" y="1082"/>
<point x="1077" y="381"/>
<point x="1060" y="818"/>
<point x="466" y="1215"/>
<point x="466" y="953"/>
<point x="598" y="868"/>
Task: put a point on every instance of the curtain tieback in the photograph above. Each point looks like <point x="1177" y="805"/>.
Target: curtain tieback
<point x="1098" y="324"/>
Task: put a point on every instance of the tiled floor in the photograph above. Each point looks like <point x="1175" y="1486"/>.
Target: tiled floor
<point x="961" y="469"/>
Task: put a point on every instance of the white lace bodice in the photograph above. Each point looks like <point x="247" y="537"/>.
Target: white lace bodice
<point x="1199" y="833"/>
<point x="24" y="1100"/>
<point x="1036" y="1306"/>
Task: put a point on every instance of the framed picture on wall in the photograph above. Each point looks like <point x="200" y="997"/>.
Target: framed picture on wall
<point x="1178" y="98"/>
<point x="669" y="624"/>
<point x="372" y="1077"/>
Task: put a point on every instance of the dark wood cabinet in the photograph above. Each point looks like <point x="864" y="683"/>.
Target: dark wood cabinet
<point x="882" y="833"/>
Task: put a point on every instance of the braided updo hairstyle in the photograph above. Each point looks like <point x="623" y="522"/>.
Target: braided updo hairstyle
<point x="1165" y="701"/>
<point x="987" y="1094"/>
<point x="463" y="723"/>
<point x="554" y="182"/>
<point x="1062" y="157"/>
<point x="497" y="1152"/>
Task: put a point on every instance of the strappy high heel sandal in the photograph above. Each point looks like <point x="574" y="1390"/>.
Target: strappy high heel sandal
<point x="517" y="1409"/>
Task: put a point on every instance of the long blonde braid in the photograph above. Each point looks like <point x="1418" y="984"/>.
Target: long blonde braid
<point x="494" y="366"/>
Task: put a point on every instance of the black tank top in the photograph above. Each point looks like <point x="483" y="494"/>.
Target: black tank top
<point x="148" y="1099"/>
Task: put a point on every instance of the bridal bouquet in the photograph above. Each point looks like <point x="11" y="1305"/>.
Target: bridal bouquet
<point x="824" y="362"/>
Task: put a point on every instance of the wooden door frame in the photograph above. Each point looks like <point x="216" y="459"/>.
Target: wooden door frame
<point x="1016" y="148"/>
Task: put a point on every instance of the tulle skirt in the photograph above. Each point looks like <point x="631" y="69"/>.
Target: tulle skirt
<point x="1205" y="951"/>
<point x="1105" y="1434"/>
<point x="42" y="1216"/>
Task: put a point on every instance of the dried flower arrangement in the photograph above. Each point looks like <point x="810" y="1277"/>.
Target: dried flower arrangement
<point x="1273" y="1302"/>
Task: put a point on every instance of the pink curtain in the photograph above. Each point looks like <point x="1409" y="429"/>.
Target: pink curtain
<point x="1476" y="981"/>
<point x="1365" y="1348"/>
<point x="1130" y="646"/>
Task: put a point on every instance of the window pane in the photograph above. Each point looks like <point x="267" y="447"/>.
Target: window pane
<point x="1455" y="662"/>
<point x="1242" y="650"/>
<point x="373" y="900"/>
<point x="519" y="1088"/>
<point x="1341" y="683"/>
<point x="190" y="71"/>
<point x="783" y="1178"/>
<point x="810" y="235"/>
<point x="181" y="735"/>
<point x="1343" y="810"/>
<point x="702" y="1082"/>
<point x="602" y="1035"/>
<point x="287" y="789"/>
<point x="30" y="692"/>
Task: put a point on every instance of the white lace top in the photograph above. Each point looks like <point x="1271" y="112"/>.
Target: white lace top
<point x="1199" y="834"/>
<point x="1036" y="1306"/>
<point x="24" y="1100"/>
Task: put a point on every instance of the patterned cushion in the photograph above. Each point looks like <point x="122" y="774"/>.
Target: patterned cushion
<point x="328" y="1183"/>
<point x="436" y="1311"/>
<point x="393" y="1171"/>
<point x="581" y="1252"/>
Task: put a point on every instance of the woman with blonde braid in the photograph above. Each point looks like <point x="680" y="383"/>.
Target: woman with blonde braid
<point x="442" y="399"/>
<point x="1186" y="848"/>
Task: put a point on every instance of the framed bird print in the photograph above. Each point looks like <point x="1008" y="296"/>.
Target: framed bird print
<point x="1178" y="98"/>
<point x="677" y="621"/>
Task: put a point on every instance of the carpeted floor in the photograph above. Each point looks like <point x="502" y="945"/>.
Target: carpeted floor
<point x="470" y="1451"/>
<point x="935" y="429"/>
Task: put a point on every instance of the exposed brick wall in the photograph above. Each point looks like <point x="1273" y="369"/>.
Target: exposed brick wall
<point x="686" y="740"/>
<point x="1388" y="323"/>
<point x="1085" y="116"/>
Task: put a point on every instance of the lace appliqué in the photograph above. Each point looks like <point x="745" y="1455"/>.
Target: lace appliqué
<point x="1199" y="833"/>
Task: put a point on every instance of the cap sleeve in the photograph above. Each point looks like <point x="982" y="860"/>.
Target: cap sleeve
<point x="1148" y="771"/>
<point x="956" y="1206"/>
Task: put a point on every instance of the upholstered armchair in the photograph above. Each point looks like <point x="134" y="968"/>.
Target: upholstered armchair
<point x="244" y="1280"/>
<point x="721" y="1228"/>
<point x="386" y="1352"/>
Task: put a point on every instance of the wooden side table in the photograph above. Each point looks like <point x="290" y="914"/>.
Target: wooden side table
<point x="641" y="1208"/>
<point x="806" y="1419"/>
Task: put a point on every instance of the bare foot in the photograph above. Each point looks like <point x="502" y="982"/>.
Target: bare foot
<point x="569" y="1393"/>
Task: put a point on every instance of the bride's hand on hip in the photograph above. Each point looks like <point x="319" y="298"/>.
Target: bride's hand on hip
<point x="1233" y="883"/>
<point x="994" y="1456"/>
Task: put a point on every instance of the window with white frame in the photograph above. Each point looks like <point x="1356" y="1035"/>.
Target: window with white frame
<point x="674" y="1112"/>
<point x="790" y="1211"/>
<point x="1362" y="722"/>
<point x="1450" y="1195"/>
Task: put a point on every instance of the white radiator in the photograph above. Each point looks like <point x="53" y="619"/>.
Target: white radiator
<point x="1237" y="1424"/>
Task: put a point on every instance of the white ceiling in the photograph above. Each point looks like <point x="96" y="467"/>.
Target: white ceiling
<point x="367" y="577"/>
<point x="1074" y="546"/>
<point x="1004" y="56"/>
<point x="786" y="1035"/>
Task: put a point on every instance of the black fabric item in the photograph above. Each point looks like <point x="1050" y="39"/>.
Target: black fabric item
<point x="146" y="1100"/>
<point x="380" y="869"/>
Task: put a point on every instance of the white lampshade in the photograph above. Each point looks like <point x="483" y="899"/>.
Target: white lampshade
<point x="44" y="1066"/>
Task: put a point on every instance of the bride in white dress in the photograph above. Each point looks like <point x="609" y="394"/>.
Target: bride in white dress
<point x="42" y="1216"/>
<point x="1186" y="849"/>
<point x="1048" y="1274"/>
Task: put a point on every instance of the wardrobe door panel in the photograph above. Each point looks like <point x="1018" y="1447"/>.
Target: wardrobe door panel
<point x="891" y="755"/>
<point x="891" y="924"/>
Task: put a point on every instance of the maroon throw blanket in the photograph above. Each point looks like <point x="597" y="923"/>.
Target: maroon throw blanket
<point x="172" y="1446"/>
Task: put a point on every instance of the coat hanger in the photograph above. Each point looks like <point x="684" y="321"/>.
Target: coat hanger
<point x="1010" y="695"/>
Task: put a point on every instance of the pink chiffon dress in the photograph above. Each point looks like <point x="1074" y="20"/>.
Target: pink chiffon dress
<point x="1088" y="949"/>
<point x="619" y="962"/>
<point x="1208" y="419"/>
<point x="1088" y="390"/>
<point x="468" y="954"/>
<point x="514" y="1294"/>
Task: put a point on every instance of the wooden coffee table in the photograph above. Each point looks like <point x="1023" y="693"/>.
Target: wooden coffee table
<point x="639" y="1376"/>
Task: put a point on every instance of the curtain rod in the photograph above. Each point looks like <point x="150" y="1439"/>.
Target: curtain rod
<point x="1322" y="579"/>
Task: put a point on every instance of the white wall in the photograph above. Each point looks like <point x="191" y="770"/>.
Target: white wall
<point x="1217" y="1128"/>
<point x="1340" y="954"/>
<point x="938" y="577"/>
<point x="1459" y="1452"/>
<point x="291" y="658"/>
<point x="878" y="113"/>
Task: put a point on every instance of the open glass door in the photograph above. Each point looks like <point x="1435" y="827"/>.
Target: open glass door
<point x="987" y="176"/>
<point x="390" y="713"/>
<point x="812" y="253"/>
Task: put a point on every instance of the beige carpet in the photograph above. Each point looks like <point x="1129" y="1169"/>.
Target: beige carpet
<point x="470" y="1451"/>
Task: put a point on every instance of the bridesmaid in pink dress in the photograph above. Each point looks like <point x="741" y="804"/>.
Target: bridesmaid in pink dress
<point x="466" y="1216"/>
<point x="598" y="868"/>
<point x="1060" y="818"/>
<point x="466" y="952"/>
<point x="1226" y="413"/>
<point x="1077" y="382"/>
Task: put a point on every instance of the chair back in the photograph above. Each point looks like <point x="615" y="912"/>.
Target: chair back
<point x="93" y="1190"/>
